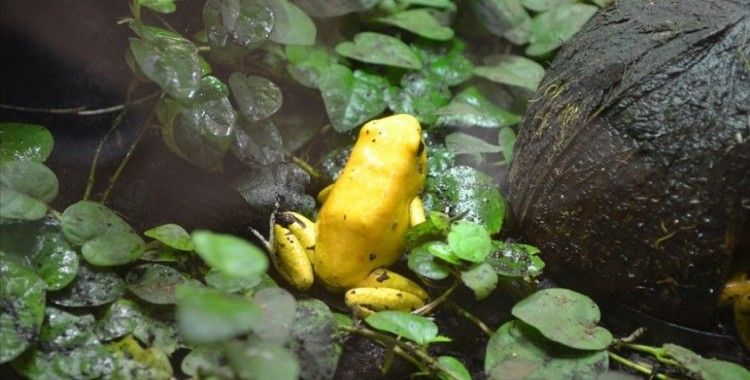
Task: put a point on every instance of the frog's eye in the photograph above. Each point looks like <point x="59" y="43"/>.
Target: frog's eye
<point x="420" y="148"/>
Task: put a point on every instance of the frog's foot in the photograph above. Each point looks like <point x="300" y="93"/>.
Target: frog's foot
<point x="385" y="290"/>
<point x="736" y="293"/>
<point x="293" y="244"/>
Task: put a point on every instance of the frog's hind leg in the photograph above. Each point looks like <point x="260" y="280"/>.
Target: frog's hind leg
<point x="385" y="290"/>
<point x="293" y="246"/>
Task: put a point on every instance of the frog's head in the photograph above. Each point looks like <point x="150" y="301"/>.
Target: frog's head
<point x="398" y="136"/>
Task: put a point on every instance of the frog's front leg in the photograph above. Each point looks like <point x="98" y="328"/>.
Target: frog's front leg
<point x="386" y="290"/>
<point x="293" y="245"/>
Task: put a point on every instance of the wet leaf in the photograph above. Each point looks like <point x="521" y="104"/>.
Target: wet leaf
<point x="470" y="108"/>
<point x="114" y="248"/>
<point x="551" y="29"/>
<point x="278" y="307"/>
<point x="308" y="63"/>
<point x="420" y="96"/>
<point x="154" y="328"/>
<point x="439" y="160"/>
<point x="257" y="97"/>
<point x="515" y="260"/>
<point x="512" y="70"/>
<point x="156" y="283"/>
<point x="230" y="255"/>
<point x="135" y="362"/>
<point x="464" y="143"/>
<point x="424" y="264"/>
<point x="292" y="26"/>
<point x="379" y="49"/>
<point x="517" y="351"/>
<point x="565" y="317"/>
<point x="208" y="316"/>
<point x="410" y="326"/>
<point x="705" y="369"/>
<point x="237" y="23"/>
<point x="167" y="59"/>
<point x="207" y="361"/>
<point x="500" y="16"/>
<point x="27" y="187"/>
<point x="171" y="235"/>
<point x="161" y="6"/>
<point x="480" y="278"/>
<point x="314" y="340"/>
<point x="351" y="98"/>
<point x="333" y="8"/>
<point x="444" y="60"/>
<point x="90" y="288"/>
<point x="463" y="190"/>
<point x="469" y="241"/>
<point x="53" y="260"/>
<point x="507" y="140"/>
<point x="434" y="228"/>
<point x="442" y="251"/>
<point x="283" y="182"/>
<point x="24" y="142"/>
<point x="420" y="22"/>
<point x="455" y="367"/>
<point x="22" y="295"/>
<point x="262" y="361"/>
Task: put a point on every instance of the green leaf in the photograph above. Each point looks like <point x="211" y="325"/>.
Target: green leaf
<point x="168" y="60"/>
<point x="351" y="98"/>
<point x="230" y="255"/>
<point x="469" y="241"/>
<point x="209" y="316"/>
<point x="333" y="8"/>
<point x="280" y="185"/>
<point x="420" y="22"/>
<point x="150" y="326"/>
<point x="420" y="96"/>
<point x="156" y="283"/>
<point x="53" y="260"/>
<point x="480" y="278"/>
<point x="278" y="308"/>
<point x="565" y="317"/>
<point x="237" y="23"/>
<point x="21" y="307"/>
<point x="257" y="98"/>
<point x="517" y="351"/>
<point x="462" y="190"/>
<point x="314" y="340"/>
<point x="499" y="16"/>
<point x="434" y="228"/>
<point x="544" y="5"/>
<point x="470" y="108"/>
<point x="24" y="142"/>
<point x="308" y="63"/>
<point x="422" y="262"/>
<point x="114" y="248"/>
<point x="705" y="369"/>
<point x="161" y="6"/>
<point x="135" y="362"/>
<point x="410" y="326"/>
<point x="515" y="260"/>
<point x="261" y="360"/>
<point x="444" y="60"/>
<point x="90" y="288"/>
<point x="208" y="361"/>
<point x="507" y="140"/>
<point x="463" y="143"/>
<point x="292" y="26"/>
<point x="551" y="29"/>
<point x="27" y="187"/>
<point x="439" y="160"/>
<point x="512" y="70"/>
<point x="379" y="49"/>
<point x="230" y="284"/>
<point x="455" y="367"/>
<point x="172" y="235"/>
<point x="442" y="251"/>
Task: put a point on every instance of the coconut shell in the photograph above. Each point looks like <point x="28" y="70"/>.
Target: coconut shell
<point x="632" y="167"/>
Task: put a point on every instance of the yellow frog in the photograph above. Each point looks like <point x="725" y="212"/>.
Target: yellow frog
<point x="362" y="222"/>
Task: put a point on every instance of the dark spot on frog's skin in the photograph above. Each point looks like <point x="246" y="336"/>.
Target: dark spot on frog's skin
<point x="383" y="277"/>
<point x="372" y="256"/>
<point x="373" y="140"/>
<point x="420" y="148"/>
<point x="420" y="169"/>
<point x="367" y="131"/>
<point x="400" y="295"/>
<point x="344" y="216"/>
<point x="394" y="226"/>
<point x="312" y="247"/>
<point x="352" y="291"/>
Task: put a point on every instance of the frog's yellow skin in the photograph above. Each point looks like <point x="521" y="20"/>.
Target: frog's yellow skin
<point x="362" y="222"/>
<point x="736" y="294"/>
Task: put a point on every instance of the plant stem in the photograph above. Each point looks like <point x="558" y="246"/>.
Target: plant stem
<point x="644" y="369"/>
<point x="656" y="352"/>
<point x="471" y="317"/>
<point x="306" y="167"/>
<point x="426" y="309"/>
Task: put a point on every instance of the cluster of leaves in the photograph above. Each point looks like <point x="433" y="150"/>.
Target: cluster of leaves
<point x="84" y="296"/>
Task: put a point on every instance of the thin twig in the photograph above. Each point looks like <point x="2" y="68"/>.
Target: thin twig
<point x="426" y="309"/>
<point x="471" y="317"/>
<point x="79" y="111"/>
<point x="646" y="370"/>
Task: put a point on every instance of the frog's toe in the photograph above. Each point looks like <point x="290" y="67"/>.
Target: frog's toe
<point x="365" y="301"/>
<point x="290" y="259"/>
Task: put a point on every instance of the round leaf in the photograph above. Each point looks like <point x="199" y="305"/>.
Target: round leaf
<point x="420" y="95"/>
<point x="455" y="367"/>
<point x="469" y="241"/>
<point x="513" y="70"/>
<point x="278" y="308"/>
<point x="230" y="284"/>
<point x="706" y="369"/>
<point x="410" y="326"/>
<point x="261" y="360"/>
<point x="239" y="23"/>
<point x="24" y="142"/>
<point x="230" y="255"/>
<point x="85" y="220"/>
<point x="424" y="264"/>
<point x="208" y="361"/>
<point x="90" y="288"/>
<point x="517" y="351"/>
<point x="170" y="62"/>
<point x="420" y="22"/>
<point x="464" y="143"/>
<point x="54" y="261"/>
<point x="209" y="316"/>
<point x="292" y="26"/>
<point x="135" y="362"/>
<point x="257" y="97"/>
<point x="21" y="307"/>
<point x="171" y="235"/>
<point x="551" y="29"/>
<point x="27" y="187"/>
<point x="564" y="316"/>
<point x="314" y="339"/>
<point x="156" y="283"/>
<point x="125" y="317"/>
<point x="444" y="60"/>
<point x="471" y="109"/>
<point x="515" y="260"/>
<point x="161" y="6"/>
<point x="379" y="49"/>
<point x="114" y="248"/>
<point x="480" y="278"/>
<point x="351" y="98"/>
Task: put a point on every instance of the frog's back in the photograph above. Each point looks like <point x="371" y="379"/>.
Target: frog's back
<point x="362" y="222"/>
